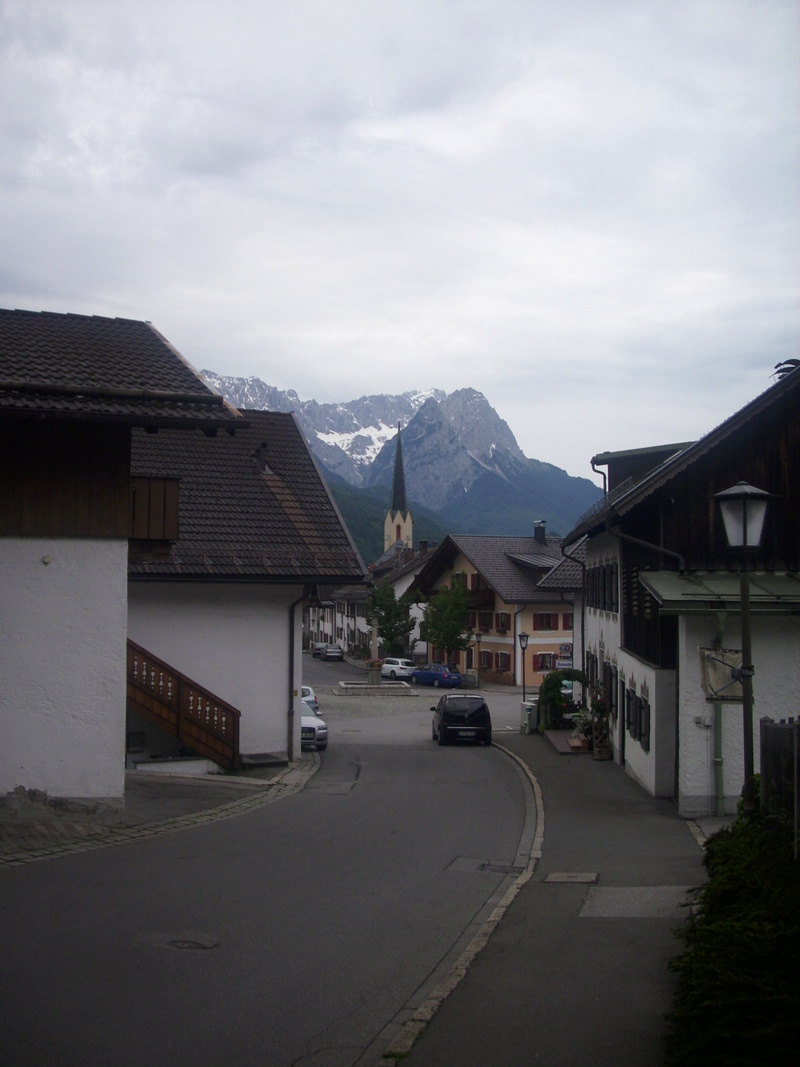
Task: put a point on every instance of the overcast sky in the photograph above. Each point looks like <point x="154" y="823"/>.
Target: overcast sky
<point x="585" y="209"/>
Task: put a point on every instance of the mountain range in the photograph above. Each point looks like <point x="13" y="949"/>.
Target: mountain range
<point x="464" y="471"/>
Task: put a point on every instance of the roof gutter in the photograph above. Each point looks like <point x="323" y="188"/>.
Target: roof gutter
<point x="114" y="393"/>
<point x="646" y="544"/>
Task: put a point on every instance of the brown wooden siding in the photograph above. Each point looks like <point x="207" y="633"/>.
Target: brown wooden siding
<point x="154" y="509"/>
<point x="62" y="479"/>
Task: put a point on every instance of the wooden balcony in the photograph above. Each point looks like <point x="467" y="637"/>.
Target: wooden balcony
<point x="481" y="599"/>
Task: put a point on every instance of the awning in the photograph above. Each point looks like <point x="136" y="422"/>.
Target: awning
<point x="705" y="592"/>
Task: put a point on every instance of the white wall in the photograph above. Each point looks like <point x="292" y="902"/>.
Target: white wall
<point x="231" y="639"/>
<point x="776" y="694"/>
<point x="62" y="665"/>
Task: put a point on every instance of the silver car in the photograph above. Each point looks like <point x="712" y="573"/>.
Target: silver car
<point x="313" y="729"/>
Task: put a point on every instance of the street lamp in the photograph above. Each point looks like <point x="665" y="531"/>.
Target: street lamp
<point x="743" y="509"/>
<point x="478" y="637"/>
<point x="523" y="644"/>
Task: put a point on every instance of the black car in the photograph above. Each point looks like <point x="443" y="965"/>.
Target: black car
<point x="461" y="717"/>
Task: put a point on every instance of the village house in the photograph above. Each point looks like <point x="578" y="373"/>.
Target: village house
<point x="259" y="535"/>
<point x="662" y="601"/>
<point x="72" y="390"/>
<point x="504" y="575"/>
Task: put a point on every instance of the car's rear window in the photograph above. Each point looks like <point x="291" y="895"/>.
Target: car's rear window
<point x="467" y="703"/>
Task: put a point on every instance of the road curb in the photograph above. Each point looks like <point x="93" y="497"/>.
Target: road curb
<point x="403" y="1042"/>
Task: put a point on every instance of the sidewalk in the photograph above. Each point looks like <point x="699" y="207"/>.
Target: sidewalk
<point x="576" y="971"/>
<point x="154" y="804"/>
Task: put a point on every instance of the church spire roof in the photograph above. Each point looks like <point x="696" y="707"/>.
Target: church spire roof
<point x="399" y="480"/>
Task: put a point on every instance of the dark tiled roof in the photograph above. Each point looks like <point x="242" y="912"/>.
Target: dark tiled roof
<point x="568" y="572"/>
<point x="253" y="505"/>
<point x="82" y="366"/>
<point x="513" y="566"/>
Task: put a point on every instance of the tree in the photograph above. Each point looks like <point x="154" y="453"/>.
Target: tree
<point x="445" y="618"/>
<point x="393" y="617"/>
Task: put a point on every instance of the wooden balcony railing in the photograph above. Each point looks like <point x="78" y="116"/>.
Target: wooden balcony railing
<point x="199" y="720"/>
<point x="481" y="598"/>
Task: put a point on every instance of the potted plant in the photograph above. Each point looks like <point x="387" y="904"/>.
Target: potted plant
<point x="601" y="732"/>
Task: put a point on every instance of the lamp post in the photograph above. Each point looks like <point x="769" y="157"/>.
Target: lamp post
<point x="743" y="509"/>
<point x="523" y="644"/>
<point x="478" y="637"/>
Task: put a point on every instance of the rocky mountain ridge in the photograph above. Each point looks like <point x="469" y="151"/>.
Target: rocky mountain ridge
<point x="461" y="460"/>
<point x="345" y="437"/>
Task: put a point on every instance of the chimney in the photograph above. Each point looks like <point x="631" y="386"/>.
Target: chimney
<point x="538" y="532"/>
<point x="423" y="548"/>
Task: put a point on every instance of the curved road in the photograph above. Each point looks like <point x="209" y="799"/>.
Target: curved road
<point x="302" y="933"/>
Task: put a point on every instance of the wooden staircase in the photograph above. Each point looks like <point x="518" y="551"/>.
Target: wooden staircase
<point x="197" y="718"/>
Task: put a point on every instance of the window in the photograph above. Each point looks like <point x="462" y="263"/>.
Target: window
<point x="544" y="661"/>
<point x="602" y="585"/>
<point x="613" y="694"/>
<point x="644" y="725"/>
<point x="567" y="621"/>
<point x="545" y="621"/>
<point x="485" y="620"/>
<point x="630" y="702"/>
<point x="591" y="669"/>
<point x="502" y="621"/>
<point x="472" y="620"/>
<point x="486" y="659"/>
<point x="637" y="718"/>
<point x="502" y="661"/>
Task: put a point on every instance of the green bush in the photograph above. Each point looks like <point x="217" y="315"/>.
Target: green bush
<point x="738" y="991"/>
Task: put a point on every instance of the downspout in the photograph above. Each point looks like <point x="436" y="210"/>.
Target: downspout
<point x="292" y="693"/>
<point x="602" y="475"/>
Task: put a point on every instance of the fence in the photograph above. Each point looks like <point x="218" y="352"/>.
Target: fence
<point x="780" y="744"/>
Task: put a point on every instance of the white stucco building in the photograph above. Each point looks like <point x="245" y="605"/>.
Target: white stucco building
<point x="71" y="390"/>
<point x="661" y="586"/>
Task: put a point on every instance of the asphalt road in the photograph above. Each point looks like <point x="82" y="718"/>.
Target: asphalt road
<point x="301" y="933"/>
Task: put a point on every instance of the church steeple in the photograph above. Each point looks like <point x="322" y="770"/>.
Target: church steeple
<point x="399" y="481"/>
<point x="398" y="526"/>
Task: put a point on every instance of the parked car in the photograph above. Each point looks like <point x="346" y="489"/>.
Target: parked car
<point x="436" y="674"/>
<point x="308" y="694"/>
<point x="332" y="652"/>
<point x="462" y="717"/>
<point x="397" y="668"/>
<point x="313" y="729"/>
<point x="318" y="647"/>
